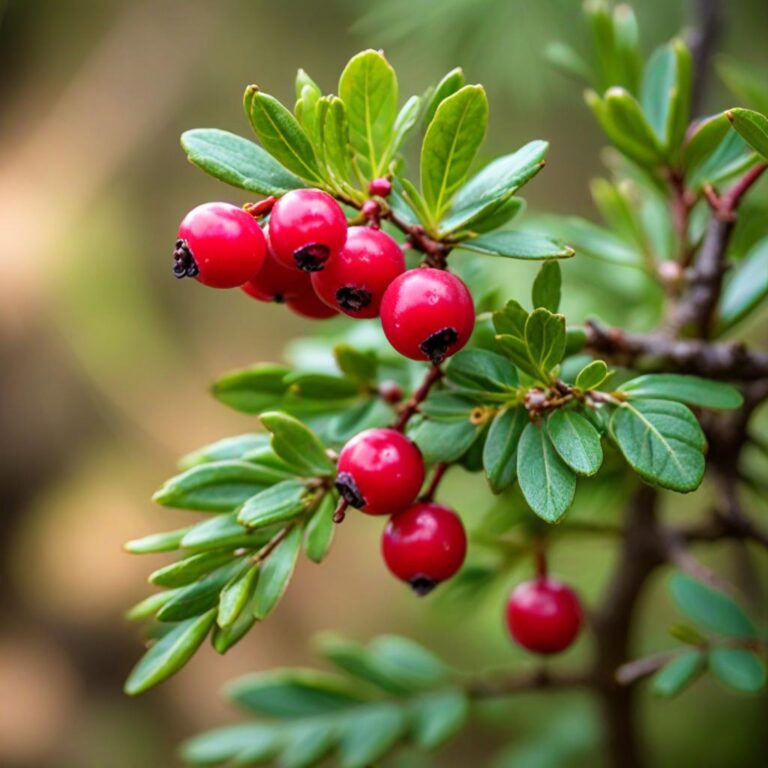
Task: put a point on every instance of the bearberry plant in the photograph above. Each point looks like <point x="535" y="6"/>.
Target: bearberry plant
<point x="445" y="372"/>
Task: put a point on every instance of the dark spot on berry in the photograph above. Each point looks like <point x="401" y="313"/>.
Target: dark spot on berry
<point x="312" y="257"/>
<point x="278" y="298"/>
<point x="353" y="299"/>
<point x="436" y="346"/>
<point x="347" y="487"/>
<point x="184" y="264"/>
<point x="422" y="585"/>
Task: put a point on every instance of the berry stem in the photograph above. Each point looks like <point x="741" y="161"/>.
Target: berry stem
<point x="540" y="553"/>
<point x="418" y="397"/>
<point x="341" y="511"/>
<point x="434" y="483"/>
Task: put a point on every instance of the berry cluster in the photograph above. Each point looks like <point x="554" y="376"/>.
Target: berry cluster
<point x="380" y="472"/>
<point x="307" y="257"/>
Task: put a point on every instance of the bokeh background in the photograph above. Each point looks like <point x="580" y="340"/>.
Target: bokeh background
<point x="105" y="360"/>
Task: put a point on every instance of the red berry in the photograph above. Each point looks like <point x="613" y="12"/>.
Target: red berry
<point x="356" y="279"/>
<point x="307" y="304"/>
<point x="274" y="282"/>
<point x="427" y="314"/>
<point x="380" y="187"/>
<point x="307" y="227"/>
<point x="219" y="244"/>
<point x="424" y="545"/>
<point x="380" y="471"/>
<point x="543" y="615"/>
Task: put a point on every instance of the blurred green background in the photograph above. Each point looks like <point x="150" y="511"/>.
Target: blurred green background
<point x="105" y="360"/>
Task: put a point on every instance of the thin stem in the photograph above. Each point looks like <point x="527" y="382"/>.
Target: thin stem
<point x="496" y="684"/>
<point x="417" y="398"/>
<point x="437" y="476"/>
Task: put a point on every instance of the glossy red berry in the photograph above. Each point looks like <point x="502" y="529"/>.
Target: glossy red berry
<point x="380" y="471"/>
<point x="307" y="304"/>
<point x="219" y="244"/>
<point x="380" y="187"/>
<point x="274" y="282"/>
<point x="427" y="314"/>
<point x="543" y="615"/>
<point x="356" y="279"/>
<point x="424" y="545"/>
<point x="307" y="228"/>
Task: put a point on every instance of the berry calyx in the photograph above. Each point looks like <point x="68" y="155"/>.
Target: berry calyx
<point x="380" y="471"/>
<point x="220" y="245"/>
<point x="355" y="281"/>
<point x="544" y="616"/>
<point x="274" y="282"/>
<point x="424" y="545"/>
<point x="307" y="228"/>
<point x="427" y="314"/>
<point x="380" y="187"/>
<point x="307" y="304"/>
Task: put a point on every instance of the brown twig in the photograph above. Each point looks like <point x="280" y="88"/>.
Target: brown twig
<point x="657" y="351"/>
<point x="412" y="404"/>
<point x="437" y="476"/>
<point x="496" y="684"/>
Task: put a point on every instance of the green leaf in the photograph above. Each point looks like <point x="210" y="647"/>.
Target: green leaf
<point x="500" y="449"/>
<point x="732" y="157"/>
<point x="228" y="448"/>
<point x="545" y="339"/>
<point x="747" y="82"/>
<point x="450" y="144"/>
<point x="278" y="504"/>
<point x="356" y="660"/>
<point x="277" y="572"/>
<point x="545" y="480"/>
<point x="168" y="541"/>
<point x="407" y="663"/>
<point x="297" y="445"/>
<point x="517" y="245"/>
<point x="746" y="289"/>
<point x="320" y="386"/>
<point x="359" y="366"/>
<point x="199" y="597"/>
<point x="190" y="569"/>
<point x="280" y="134"/>
<point x="494" y="184"/>
<point x="623" y="121"/>
<point x="711" y="610"/>
<point x="438" y="716"/>
<point x="685" y="389"/>
<point x="149" y="606"/>
<point x="368" y="735"/>
<point x="237" y="161"/>
<point x="592" y="375"/>
<point x="224" y="744"/>
<point x="320" y="530"/>
<point x="753" y="128"/>
<point x="444" y="440"/>
<point x="224" y="638"/>
<point x="477" y="370"/>
<point x="666" y="93"/>
<point x="293" y="693"/>
<point x="235" y="596"/>
<point x="678" y="674"/>
<point x="595" y="241"/>
<point x="337" y="148"/>
<point x="223" y="531"/>
<point x="252" y="390"/>
<point x="309" y="743"/>
<point x="576" y="441"/>
<point x="738" y="669"/>
<point x="565" y="59"/>
<point x="220" y="486"/>
<point x="662" y="441"/>
<point x="445" y="88"/>
<point x="169" y="654"/>
<point x="368" y="88"/>
<point x="546" y="287"/>
<point x="705" y="137"/>
<point x="405" y="122"/>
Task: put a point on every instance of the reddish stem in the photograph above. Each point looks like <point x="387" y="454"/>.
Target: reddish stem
<point x="417" y="398"/>
<point x="434" y="483"/>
